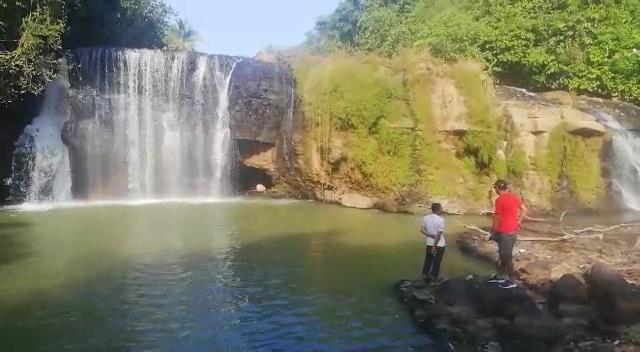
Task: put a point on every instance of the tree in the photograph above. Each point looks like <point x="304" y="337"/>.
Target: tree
<point x="586" y="46"/>
<point x="33" y="58"/>
<point x="35" y="33"/>
<point x="181" y="36"/>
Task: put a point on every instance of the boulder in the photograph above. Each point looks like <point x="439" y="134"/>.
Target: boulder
<point x="559" y="97"/>
<point x="328" y="196"/>
<point x="612" y="297"/>
<point x="261" y="188"/>
<point x="569" y="114"/>
<point x="258" y="155"/>
<point x="543" y="125"/>
<point x="586" y="128"/>
<point x="358" y="201"/>
<point x="568" y="289"/>
<point x="545" y="113"/>
<point x="454" y="127"/>
<point x="260" y="98"/>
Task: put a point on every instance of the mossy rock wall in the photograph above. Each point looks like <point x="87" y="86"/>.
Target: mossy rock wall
<point x="412" y="128"/>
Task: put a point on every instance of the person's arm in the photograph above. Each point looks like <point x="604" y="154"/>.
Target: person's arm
<point x="496" y="217"/>
<point x="523" y="213"/>
<point x="436" y="241"/>
<point x="423" y="231"/>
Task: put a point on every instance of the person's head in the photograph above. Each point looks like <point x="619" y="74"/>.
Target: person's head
<point x="500" y="186"/>
<point x="436" y="208"/>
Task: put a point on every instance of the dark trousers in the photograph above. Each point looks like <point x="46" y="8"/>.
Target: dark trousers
<point x="431" y="267"/>
<point x="506" y="242"/>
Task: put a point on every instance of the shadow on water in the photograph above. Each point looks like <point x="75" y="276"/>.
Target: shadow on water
<point x="13" y="246"/>
<point x="349" y="287"/>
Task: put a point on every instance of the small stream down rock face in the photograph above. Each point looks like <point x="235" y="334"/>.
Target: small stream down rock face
<point x="147" y="124"/>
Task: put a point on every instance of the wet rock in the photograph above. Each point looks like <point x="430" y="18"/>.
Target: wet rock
<point x="613" y="298"/>
<point x="586" y="128"/>
<point x="358" y="201"/>
<point x="260" y="98"/>
<point x="568" y="289"/>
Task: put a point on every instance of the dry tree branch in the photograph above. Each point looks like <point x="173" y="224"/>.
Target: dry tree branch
<point x="564" y="213"/>
<point x="606" y="229"/>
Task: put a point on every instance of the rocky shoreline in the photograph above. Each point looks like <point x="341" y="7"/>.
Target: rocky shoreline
<point x="578" y="292"/>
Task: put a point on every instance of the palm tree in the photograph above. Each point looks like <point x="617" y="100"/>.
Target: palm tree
<point x="180" y="36"/>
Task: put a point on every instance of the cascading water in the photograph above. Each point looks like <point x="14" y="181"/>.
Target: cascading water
<point x="141" y="124"/>
<point x="625" y="157"/>
<point x="40" y="168"/>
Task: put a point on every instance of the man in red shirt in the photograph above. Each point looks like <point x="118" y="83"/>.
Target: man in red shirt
<point x="509" y="212"/>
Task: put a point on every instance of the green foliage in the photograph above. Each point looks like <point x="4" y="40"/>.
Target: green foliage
<point x="127" y="23"/>
<point x="180" y="36"/>
<point x="517" y="162"/>
<point x="482" y="141"/>
<point x="34" y="33"/>
<point x="575" y="162"/>
<point x="584" y="46"/>
<point x="372" y="99"/>
<point x="28" y="67"/>
<point x="355" y="93"/>
<point x="360" y="95"/>
<point x="500" y="167"/>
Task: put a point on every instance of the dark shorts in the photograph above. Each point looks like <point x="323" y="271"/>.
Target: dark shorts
<point x="506" y="242"/>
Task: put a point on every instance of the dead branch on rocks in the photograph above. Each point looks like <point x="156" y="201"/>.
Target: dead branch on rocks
<point x="532" y="219"/>
<point x="564" y="213"/>
<point x="565" y="236"/>
<point x="606" y="229"/>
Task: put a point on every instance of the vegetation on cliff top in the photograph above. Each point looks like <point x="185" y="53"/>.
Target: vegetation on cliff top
<point x="34" y="33"/>
<point x="584" y="46"/>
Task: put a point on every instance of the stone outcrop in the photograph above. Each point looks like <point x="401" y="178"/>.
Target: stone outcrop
<point x="474" y="314"/>
<point x="15" y="117"/>
<point x="534" y="116"/>
<point x="358" y="201"/>
<point x="261" y="98"/>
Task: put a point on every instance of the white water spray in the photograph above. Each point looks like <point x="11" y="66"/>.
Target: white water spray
<point x="625" y="157"/>
<point x="142" y="124"/>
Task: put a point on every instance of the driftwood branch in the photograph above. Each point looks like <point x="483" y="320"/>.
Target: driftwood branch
<point x="475" y="228"/>
<point x="566" y="236"/>
<point x="606" y="229"/>
<point x="564" y="213"/>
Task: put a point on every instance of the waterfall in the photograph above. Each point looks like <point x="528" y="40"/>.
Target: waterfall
<point x="625" y="158"/>
<point x="140" y="124"/>
<point x="40" y="167"/>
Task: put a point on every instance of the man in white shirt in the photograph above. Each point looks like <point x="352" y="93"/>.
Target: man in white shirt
<point x="433" y="229"/>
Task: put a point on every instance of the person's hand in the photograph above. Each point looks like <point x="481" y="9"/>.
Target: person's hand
<point x="434" y="250"/>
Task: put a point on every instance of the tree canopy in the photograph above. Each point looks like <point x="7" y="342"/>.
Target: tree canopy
<point x="34" y="34"/>
<point x="587" y="46"/>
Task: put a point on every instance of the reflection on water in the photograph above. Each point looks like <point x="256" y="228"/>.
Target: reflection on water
<point x="223" y="276"/>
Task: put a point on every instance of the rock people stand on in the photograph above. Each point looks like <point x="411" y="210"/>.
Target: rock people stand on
<point x="508" y="214"/>
<point x="433" y="229"/>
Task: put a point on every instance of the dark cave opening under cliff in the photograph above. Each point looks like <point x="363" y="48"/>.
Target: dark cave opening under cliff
<point x="249" y="177"/>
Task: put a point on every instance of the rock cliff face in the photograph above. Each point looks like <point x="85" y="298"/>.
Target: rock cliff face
<point x="271" y="145"/>
<point x="146" y="121"/>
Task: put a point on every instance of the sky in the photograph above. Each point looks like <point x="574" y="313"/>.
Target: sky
<point x="244" y="27"/>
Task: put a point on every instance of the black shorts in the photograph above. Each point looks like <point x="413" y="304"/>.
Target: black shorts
<point x="506" y="242"/>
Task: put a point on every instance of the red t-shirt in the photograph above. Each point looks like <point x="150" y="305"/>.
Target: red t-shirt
<point x="507" y="207"/>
